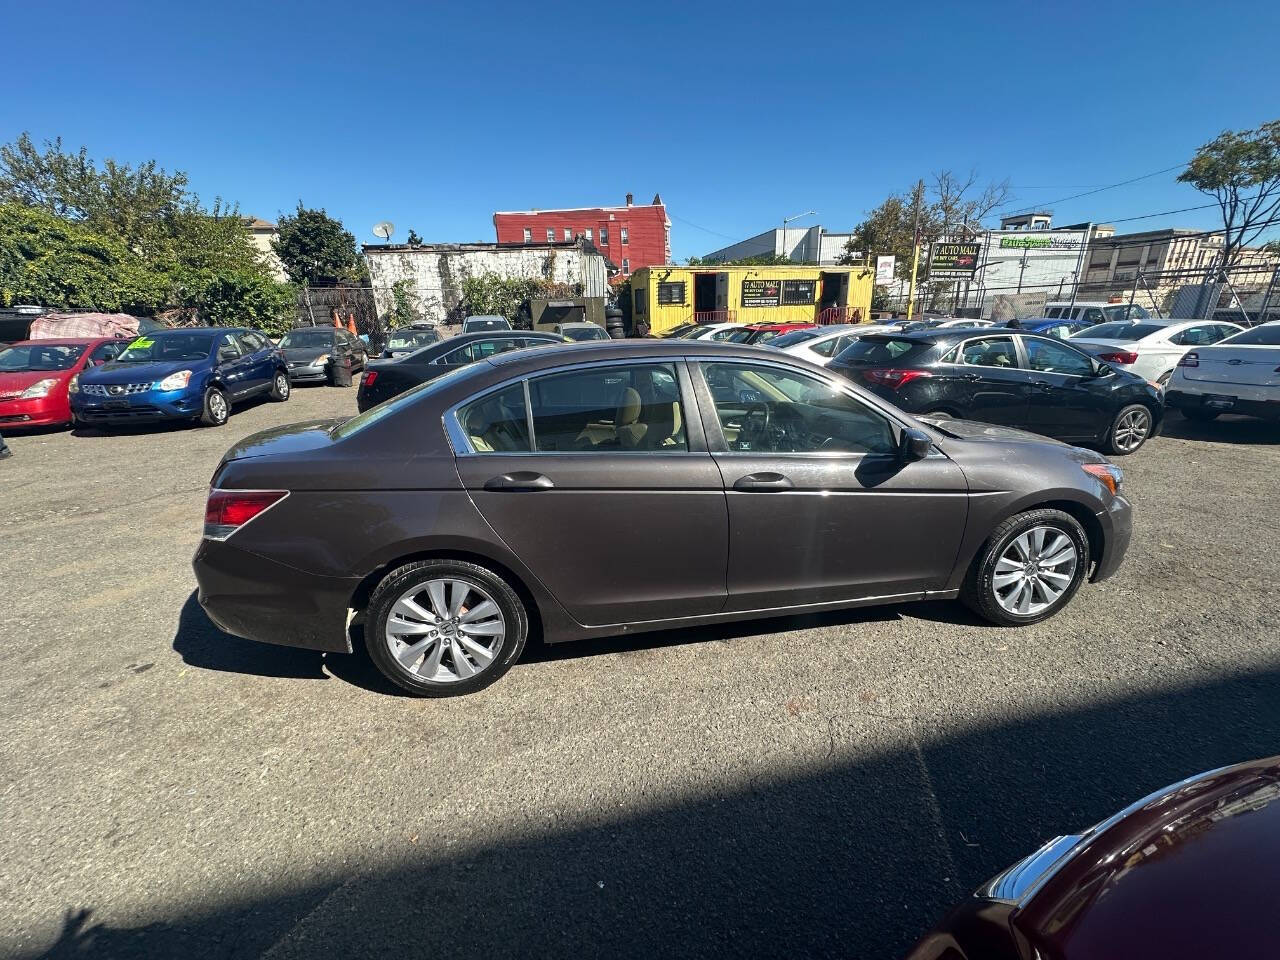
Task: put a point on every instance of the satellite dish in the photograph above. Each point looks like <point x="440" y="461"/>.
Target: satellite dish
<point x="384" y="229"/>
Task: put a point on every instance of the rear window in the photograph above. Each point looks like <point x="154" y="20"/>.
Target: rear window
<point x="795" y="336"/>
<point x="1267" y="335"/>
<point x="1128" y="332"/>
<point x="872" y="351"/>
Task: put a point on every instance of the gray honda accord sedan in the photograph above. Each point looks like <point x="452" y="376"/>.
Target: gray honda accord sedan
<point x="624" y="486"/>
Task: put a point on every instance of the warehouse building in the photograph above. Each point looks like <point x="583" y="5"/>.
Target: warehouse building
<point x="798" y="244"/>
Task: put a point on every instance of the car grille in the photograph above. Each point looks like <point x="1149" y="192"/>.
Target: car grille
<point x="114" y="389"/>
<point x="140" y="412"/>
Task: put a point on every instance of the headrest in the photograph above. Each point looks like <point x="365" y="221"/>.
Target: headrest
<point x="628" y="408"/>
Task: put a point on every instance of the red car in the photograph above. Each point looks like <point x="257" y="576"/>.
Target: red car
<point x="35" y="374"/>
<point x="758" y="334"/>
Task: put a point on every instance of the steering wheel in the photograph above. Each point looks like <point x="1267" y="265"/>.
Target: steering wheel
<point x="755" y="422"/>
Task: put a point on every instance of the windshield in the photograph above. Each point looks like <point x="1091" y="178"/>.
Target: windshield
<point x="411" y="339"/>
<point x="1124" y="311"/>
<point x="307" y="338"/>
<point x="1125" y="331"/>
<point x="795" y="336"/>
<point x="585" y="333"/>
<point x="1267" y="335"/>
<point x="163" y="347"/>
<point x="371" y="416"/>
<point x="38" y="356"/>
<point x="486" y="323"/>
<point x="873" y="351"/>
<point x="679" y="331"/>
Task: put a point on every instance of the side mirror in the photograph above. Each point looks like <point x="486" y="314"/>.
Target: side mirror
<point x="225" y="356"/>
<point x="913" y="445"/>
<point x="1101" y="370"/>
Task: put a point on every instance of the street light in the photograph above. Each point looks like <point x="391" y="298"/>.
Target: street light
<point x="786" y="220"/>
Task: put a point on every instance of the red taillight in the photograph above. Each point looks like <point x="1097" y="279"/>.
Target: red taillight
<point x="894" y="379"/>
<point x="1190" y="360"/>
<point x="1120" y="356"/>
<point x="228" y="510"/>
<point x="368" y="378"/>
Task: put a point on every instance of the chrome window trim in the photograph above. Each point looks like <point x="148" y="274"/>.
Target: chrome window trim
<point x="461" y="443"/>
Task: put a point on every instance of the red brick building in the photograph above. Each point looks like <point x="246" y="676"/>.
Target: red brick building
<point x="630" y="236"/>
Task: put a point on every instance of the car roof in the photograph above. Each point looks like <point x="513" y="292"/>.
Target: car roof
<point x="576" y="323"/>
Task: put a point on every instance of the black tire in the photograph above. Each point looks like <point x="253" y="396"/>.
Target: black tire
<point x="1199" y="414"/>
<point x="404" y="578"/>
<point x="281" y="387"/>
<point x="1118" y="440"/>
<point x="978" y="591"/>
<point x="217" y="408"/>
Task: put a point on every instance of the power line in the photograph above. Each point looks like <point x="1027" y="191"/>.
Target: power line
<point x="1089" y="193"/>
<point x="695" y="226"/>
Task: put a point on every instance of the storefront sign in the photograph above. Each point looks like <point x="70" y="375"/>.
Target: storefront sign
<point x="884" y="269"/>
<point x="761" y="293"/>
<point x="953" y="261"/>
<point x="1039" y="243"/>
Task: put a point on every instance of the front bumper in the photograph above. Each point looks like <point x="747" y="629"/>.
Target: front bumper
<point x="1117" y="531"/>
<point x="308" y="373"/>
<point x="139" y="407"/>
<point x="1245" y="400"/>
<point x="247" y="595"/>
<point x="35" y="412"/>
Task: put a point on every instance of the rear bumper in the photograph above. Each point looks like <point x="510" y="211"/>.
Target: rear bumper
<point x="1117" y="531"/>
<point x="259" y="599"/>
<point x="37" y="412"/>
<point x="141" y="407"/>
<point x="1245" y="401"/>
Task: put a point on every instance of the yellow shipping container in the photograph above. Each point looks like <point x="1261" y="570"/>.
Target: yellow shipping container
<point x="665" y="297"/>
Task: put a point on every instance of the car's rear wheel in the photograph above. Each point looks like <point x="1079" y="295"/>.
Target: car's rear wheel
<point x="217" y="408"/>
<point x="1029" y="569"/>
<point x="280" y="386"/>
<point x="1199" y="413"/>
<point x="441" y="628"/>
<point x="1129" y="430"/>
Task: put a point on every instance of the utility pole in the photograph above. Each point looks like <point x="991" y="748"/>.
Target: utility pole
<point x="915" y="249"/>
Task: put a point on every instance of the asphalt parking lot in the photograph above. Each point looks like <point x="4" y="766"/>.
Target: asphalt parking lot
<point x="825" y="787"/>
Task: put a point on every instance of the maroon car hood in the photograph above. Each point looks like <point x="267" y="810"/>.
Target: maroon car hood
<point x="1191" y="872"/>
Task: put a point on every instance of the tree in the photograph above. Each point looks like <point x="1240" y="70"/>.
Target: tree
<point x="317" y="249"/>
<point x="957" y="208"/>
<point x="1241" y="170"/>
<point x="758" y="260"/>
<point x="413" y="239"/>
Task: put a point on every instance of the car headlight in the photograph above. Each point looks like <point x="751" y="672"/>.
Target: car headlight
<point x="73" y="385"/>
<point x="323" y="358"/>
<point x="1110" y="475"/>
<point x="175" y="381"/>
<point x="40" y="388"/>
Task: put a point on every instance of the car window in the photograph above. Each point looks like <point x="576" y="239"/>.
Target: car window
<point x="876" y="350"/>
<point x="32" y="357"/>
<point x="989" y="352"/>
<point x="1200" y="335"/>
<point x="1054" y="312"/>
<point x="253" y="342"/>
<point x="171" y="346"/>
<point x="1266" y="335"/>
<point x="609" y="408"/>
<point x="795" y="336"/>
<point x="1123" y="330"/>
<point x="730" y="336"/>
<point x="1093" y="315"/>
<point x="827" y="347"/>
<point x="769" y="409"/>
<point x="1222" y="331"/>
<point x="463" y="354"/>
<point x="1049" y="357"/>
<point x="497" y="423"/>
<point x="106" y="351"/>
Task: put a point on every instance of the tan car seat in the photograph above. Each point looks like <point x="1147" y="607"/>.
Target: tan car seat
<point x="626" y="421"/>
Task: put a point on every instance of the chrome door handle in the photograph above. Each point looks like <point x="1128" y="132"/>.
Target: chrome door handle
<point x="763" y="482"/>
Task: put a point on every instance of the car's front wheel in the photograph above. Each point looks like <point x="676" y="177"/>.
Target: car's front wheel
<point x="441" y="628"/>
<point x="280" y="386"/>
<point x="1029" y="569"/>
<point x="1129" y="430"/>
<point x="217" y="408"/>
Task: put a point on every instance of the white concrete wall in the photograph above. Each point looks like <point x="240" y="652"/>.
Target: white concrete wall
<point x="436" y="273"/>
<point x="1046" y="267"/>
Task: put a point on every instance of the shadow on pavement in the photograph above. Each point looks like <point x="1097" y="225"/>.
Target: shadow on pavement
<point x="1225" y="429"/>
<point x="853" y="858"/>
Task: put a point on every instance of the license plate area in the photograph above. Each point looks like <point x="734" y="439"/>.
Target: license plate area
<point x="1217" y="401"/>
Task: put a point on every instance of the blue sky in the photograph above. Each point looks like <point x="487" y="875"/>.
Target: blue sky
<point x="434" y="115"/>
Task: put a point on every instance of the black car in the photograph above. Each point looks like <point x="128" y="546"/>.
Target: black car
<point x="1010" y="378"/>
<point x="385" y="379"/>
<point x="317" y="353"/>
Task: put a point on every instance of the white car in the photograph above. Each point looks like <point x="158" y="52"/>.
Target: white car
<point x="821" y="344"/>
<point x="1150" y="348"/>
<point x="961" y="322"/>
<point x="1238" y="375"/>
<point x="711" y="331"/>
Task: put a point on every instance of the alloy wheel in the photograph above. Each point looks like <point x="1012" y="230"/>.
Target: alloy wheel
<point x="445" y="630"/>
<point x="282" y="386"/>
<point x="1132" y="429"/>
<point x="1034" y="570"/>
<point x="218" y="407"/>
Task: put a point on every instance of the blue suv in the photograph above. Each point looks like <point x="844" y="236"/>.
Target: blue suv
<point x="184" y="374"/>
